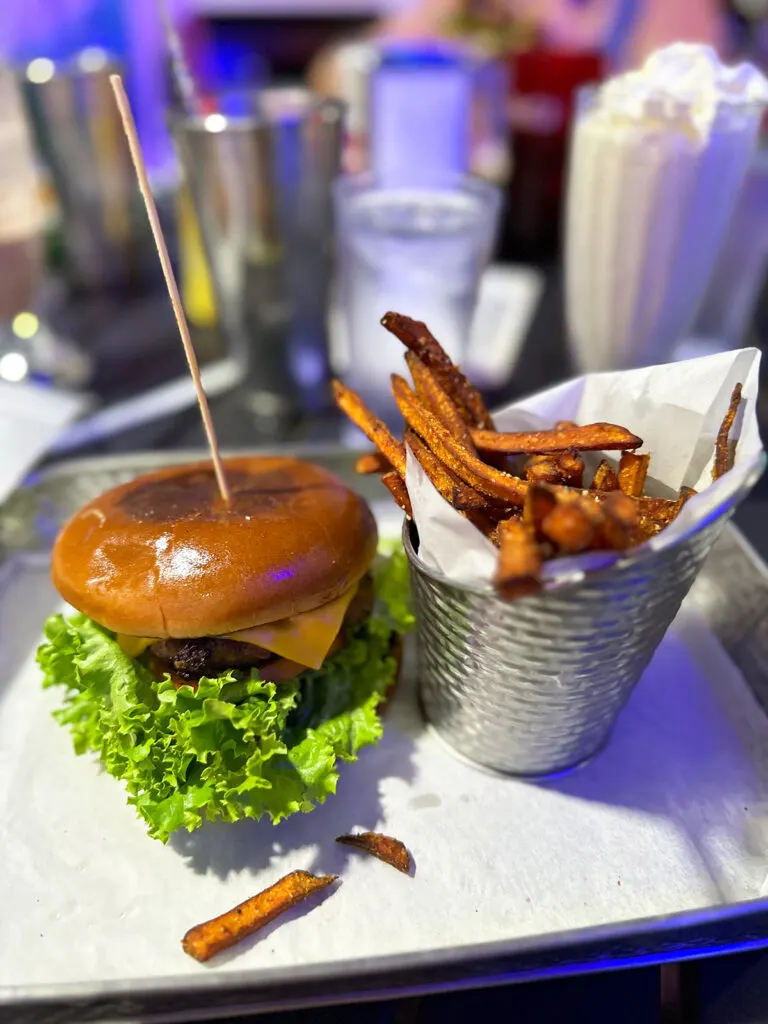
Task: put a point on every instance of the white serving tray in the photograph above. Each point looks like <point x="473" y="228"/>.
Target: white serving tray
<point x="648" y="851"/>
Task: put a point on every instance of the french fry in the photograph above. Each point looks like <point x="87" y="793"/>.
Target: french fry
<point x="723" y="452"/>
<point x="519" y="566"/>
<point x="390" y="850"/>
<point x="539" y="502"/>
<point x="545" y="510"/>
<point x="542" y="469"/>
<point x="464" y="464"/>
<point x="571" y="469"/>
<point x="206" y="940"/>
<point x="487" y="521"/>
<point x="438" y="399"/>
<point x="659" y="510"/>
<point x="353" y="406"/>
<point x="446" y="483"/>
<point x="373" y="463"/>
<point x="396" y="487"/>
<point x="686" y="493"/>
<point x="633" y="469"/>
<point x="594" y="437"/>
<point x="570" y="527"/>
<point x="605" y="478"/>
<point x="416" y="336"/>
<point x="620" y="522"/>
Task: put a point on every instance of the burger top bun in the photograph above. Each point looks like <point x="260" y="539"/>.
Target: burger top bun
<point x="162" y="556"/>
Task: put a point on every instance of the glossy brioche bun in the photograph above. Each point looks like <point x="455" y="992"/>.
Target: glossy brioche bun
<point x="163" y="557"/>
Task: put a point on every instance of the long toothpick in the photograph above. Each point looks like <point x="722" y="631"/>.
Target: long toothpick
<point x="129" y="126"/>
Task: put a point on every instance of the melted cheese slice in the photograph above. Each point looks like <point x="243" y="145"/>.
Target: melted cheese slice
<point x="304" y="638"/>
<point x="133" y="646"/>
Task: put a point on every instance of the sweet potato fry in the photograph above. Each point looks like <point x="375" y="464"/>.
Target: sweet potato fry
<point x="486" y="521"/>
<point x="519" y="566"/>
<point x="605" y="478"/>
<point x="372" y="463"/>
<point x="447" y="484"/>
<point x="416" y="336"/>
<point x="539" y="502"/>
<point x="206" y="940"/>
<point x="660" y="510"/>
<point x="565" y="425"/>
<point x="723" y="445"/>
<point x="571" y="469"/>
<point x="390" y="850"/>
<point x="686" y="493"/>
<point x="438" y="399"/>
<point x="594" y="437"/>
<point x="570" y="526"/>
<point x="353" y="406"/>
<point x="449" y="450"/>
<point x="633" y="469"/>
<point x="396" y="487"/>
<point x="618" y="530"/>
<point x="542" y="469"/>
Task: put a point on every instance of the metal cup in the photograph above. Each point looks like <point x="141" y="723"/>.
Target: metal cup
<point x="534" y="687"/>
<point x="261" y="188"/>
<point x="80" y="137"/>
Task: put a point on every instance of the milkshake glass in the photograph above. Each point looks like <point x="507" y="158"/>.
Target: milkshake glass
<point x="658" y="158"/>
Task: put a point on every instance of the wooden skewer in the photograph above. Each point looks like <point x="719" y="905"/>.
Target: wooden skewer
<point x="129" y="126"/>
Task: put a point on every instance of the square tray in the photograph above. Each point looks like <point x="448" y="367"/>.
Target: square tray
<point x="653" y="851"/>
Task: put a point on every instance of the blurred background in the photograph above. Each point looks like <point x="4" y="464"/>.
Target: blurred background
<point x="317" y="162"/>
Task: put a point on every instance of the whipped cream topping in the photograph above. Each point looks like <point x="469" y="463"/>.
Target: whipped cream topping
<point x="684" y="85"/>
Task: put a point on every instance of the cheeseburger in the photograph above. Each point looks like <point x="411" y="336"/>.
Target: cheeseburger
<point x="223" y="659"/>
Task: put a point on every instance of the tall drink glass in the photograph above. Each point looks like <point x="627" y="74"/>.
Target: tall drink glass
<point x="418" y="251"/>
<point x="658" y="159"/>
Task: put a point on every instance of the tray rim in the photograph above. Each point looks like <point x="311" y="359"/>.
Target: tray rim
<point x="694" y="934"/>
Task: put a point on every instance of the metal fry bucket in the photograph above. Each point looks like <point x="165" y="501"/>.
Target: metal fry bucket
<point x="535" y="686"/>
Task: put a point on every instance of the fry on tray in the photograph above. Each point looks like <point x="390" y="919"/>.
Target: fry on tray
<point x="390" y="850"/>
<point x="633" y="469"/>
<point x="605" y="478"/>
<point x="468" y="467"/>
<point x="723" y="446"/>
<point x="595" y="437"/>
<point x="438" y="400"/>
<point x="396" y="487"/>
<point x="446" y="483"/>
<point x="372" y="464"/>
<point x="353" y="406"/>
<point x="206" y="940"/>
<point x="416" y="336"/>
<point x="519" y="567"/>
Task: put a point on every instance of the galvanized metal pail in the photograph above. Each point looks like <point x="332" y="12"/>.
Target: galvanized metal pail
<point x="535" y="686"/>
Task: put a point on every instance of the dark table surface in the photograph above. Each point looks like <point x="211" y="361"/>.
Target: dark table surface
<point x="730" y="989"/>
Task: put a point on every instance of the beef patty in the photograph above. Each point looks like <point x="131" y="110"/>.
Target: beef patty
<point x="210" y="655"/>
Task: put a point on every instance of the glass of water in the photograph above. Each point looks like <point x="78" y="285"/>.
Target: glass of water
<point x="418" y="251"/>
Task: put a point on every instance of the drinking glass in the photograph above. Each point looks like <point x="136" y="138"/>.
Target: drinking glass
<point x="417" y="251"/>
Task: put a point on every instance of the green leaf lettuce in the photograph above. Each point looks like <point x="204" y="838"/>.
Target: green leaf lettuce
<point x="236" y="747"/>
